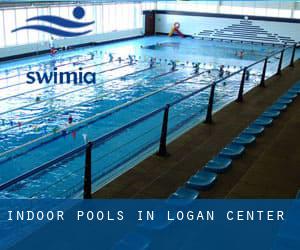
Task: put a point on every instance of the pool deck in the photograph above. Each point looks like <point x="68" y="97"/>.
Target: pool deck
<point x="269" y="169"/>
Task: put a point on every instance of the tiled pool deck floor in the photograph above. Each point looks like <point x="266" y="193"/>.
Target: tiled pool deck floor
<point x="269" y="169"/>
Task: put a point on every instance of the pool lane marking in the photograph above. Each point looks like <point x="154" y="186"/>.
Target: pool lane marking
<point x="81" y="149"/>
<point x="53" y="98"/>
<point x="75" y="171"/>
<point x="92" y="119"/>
<point x="20" y="83"/>
<point x="52" y="85"/>
<point x="86" y="101"/>
<point x="47" y="63"/>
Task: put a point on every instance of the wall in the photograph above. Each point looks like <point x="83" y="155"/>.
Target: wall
<point x="277" y="8"/>
<point x="29" y="48"/>
<point x="258" y="29"/>
<point x="112" y="20"/>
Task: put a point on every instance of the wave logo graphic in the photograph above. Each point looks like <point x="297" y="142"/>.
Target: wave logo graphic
<point x="78" y="13"/>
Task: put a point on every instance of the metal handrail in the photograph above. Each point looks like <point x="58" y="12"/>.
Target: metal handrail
<point x="101" y="139"/>
<point x="91" y="119"/>
<point x="100" y="97"/>
<point x="80" y="149"/>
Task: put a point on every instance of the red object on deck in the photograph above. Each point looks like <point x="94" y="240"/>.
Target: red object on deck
<point x="53" y="51"/>
<point x="178" y="32"/>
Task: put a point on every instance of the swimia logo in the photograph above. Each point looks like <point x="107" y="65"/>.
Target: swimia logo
<point x="78" y="13"/>
<point x="55" y="77"/>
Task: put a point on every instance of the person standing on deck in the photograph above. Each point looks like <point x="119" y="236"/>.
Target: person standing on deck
<point x="53" y="50"/>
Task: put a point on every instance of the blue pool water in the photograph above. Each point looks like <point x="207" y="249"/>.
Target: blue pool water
<point x="33" y="132"/>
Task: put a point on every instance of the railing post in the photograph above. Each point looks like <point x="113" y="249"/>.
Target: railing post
<point x="293" y="55"/>
<point x="263" y="75"/>
<point x="241" y="90"/>
<point x="280" y="63"/>
<point x="210" y="104"/>
<point x="87" y="192"/>
<point x="164" y="133"/>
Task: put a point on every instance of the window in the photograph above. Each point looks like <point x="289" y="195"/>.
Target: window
<point x="34" y="35"/>
<point x="296" y="14"/>
<point x="99" y="19"/>
<point x="22" y="35"/>
<point x="285" y="13"/>
<point x="108" y="18"/>
<point x="2" y="37"/>
<point x="260" y="11"/>
<point x="138" y="16"/>
<point x="9" y="25"/>
<point x="43" y="36"/>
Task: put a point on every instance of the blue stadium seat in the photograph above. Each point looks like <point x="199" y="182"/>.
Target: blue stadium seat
<point x="254" y="130"/>
<point x="271" y="114"/>
<point x="296" y="86"/>
<point x="284" y="101"/>
<point x="133" y="241"/>
<point x="289" y="95"/>
<point x="294" y="91"/>
<point x="278" y="106"/>
<point x="244" y="139"/>
<point x="232" y="151"/>
<point x="263" y="121"/>
<point x="202" y="180"/>
<point x="185" y="193"/>
<point x="218" y="164"/>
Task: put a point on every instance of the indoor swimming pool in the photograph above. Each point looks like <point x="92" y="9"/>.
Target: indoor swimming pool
<point x="39" y="123"/>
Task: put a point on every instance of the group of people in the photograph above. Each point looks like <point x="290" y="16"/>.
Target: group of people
<point x="53" y="49"/>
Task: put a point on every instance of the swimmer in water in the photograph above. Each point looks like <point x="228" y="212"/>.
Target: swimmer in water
<point x="151" y="62"/>
<point x="130" y="58"/>
<point x="221" y="71"/>
<point x="111" y="58"/>
<point x="173" y="63"/>
<point x="37" y="99"/>
<point x="92" y="56"/>
<point x="241" y="54"/>
<point x="196" y="67"/>
<point x="70" y="119"/>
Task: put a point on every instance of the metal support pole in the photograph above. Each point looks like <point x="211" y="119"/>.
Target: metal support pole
<point x="241" y="90"/>
<point x="87" y="192"/>
<point x="293" y="55"/>
<point x="280" y="63"/>
<point x="210" y="104"/>
<point x="164" y="133"/>
<point x="263" y="75"/>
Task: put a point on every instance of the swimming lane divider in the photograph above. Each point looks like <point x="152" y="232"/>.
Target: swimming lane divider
<point x="60" y="65"/>
<point x="81" y="149"/>
<point x="55" y="135"/>
<point x="57" y="96"/>
<point x="145" y="147"/>
<point x="84" y="102"/>
<point x="51" y="85"/>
